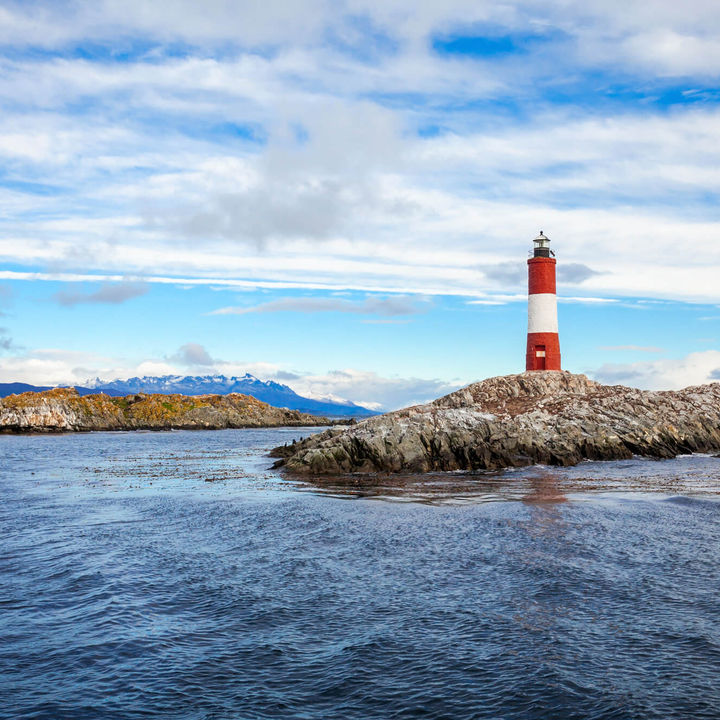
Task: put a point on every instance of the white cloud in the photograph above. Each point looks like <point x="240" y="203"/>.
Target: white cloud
<point x="587" y="300"/>
<point x="631" y="348"/>
<point x="49" y="366"/>
<point x="6" y="342"/>
<point x="136" y="178"/>
<point x="388" y="212"/>
<point x="666" y="374"/>
<point x="371" y="389"/>
<point x="193" y="354"/>
<point x="302" y="23"/>
<point x="395" y="305"/>
<point x="111" y="294"/>
<point x="55" y="366"/>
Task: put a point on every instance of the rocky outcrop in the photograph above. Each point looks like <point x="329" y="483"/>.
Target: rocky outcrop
<point x="62" y="410"/>
<point x="554" y="418"/>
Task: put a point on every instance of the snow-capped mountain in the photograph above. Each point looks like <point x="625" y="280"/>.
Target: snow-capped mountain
<point x="266" y="390"/>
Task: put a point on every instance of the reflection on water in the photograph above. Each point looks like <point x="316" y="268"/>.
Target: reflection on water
<point x="236" y="461"/>
<point x="697" y="475"/>
<point x="546" y="492"/>
<point x="174" y="575"/>
<point x="545" y="488"/>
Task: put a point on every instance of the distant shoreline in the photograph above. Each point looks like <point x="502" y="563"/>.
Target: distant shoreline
<point x="64" y="410"/>
<point x="267" y="391"/>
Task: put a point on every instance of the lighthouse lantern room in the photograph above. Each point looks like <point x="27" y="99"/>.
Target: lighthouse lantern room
<point x="543" y="341"/>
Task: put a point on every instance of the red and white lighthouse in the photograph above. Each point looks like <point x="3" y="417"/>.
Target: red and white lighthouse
<point x="543" y="341"/>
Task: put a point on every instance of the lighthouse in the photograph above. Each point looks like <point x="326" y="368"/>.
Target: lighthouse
<point x="543" y="341"/>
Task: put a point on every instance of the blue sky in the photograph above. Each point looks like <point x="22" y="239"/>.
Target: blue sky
<point x="341" y="195"/>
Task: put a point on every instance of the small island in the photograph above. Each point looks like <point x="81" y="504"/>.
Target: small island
<point x="64" y="410"/>
<point x="545" y="417"/>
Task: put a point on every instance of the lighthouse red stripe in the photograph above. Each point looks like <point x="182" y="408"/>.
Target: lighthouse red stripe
<point x="541" y="275"/>
<point x="549" y="344"/>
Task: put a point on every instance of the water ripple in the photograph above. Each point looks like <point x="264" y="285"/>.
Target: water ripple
<point x="132" y="588"/>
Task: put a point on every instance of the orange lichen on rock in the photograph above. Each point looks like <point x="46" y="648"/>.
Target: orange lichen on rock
<point x="63" y="409"/>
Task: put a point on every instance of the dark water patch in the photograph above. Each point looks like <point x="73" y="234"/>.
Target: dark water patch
<point x="691" y="502"/>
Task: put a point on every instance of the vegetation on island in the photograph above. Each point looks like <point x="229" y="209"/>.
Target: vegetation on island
<point x="63" y="409"/>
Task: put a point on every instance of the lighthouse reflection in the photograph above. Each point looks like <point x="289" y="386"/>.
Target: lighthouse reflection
<point x="545" y="488"/>
<point x="544" y="500"/>
<point x="541" y="490"/>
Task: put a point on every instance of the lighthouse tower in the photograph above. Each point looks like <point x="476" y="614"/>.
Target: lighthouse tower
<point x="543" y="342"/>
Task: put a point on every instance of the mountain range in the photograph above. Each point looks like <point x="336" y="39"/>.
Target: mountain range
<point x="268" y="391"/>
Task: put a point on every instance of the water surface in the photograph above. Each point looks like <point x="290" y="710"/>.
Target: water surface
<point x="173" y="575"/>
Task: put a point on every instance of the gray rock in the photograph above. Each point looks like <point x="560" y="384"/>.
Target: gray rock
<point x="554" y="418"/>
<point x="64" y="410"/>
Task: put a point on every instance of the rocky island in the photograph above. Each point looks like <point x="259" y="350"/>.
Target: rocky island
<point x="547" y="417"/>
<point x="64" y="410"/>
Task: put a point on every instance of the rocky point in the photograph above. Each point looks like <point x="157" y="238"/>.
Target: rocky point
<point x="550" y="417"/>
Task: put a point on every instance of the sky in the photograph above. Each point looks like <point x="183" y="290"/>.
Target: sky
<point x="341" y="195"/>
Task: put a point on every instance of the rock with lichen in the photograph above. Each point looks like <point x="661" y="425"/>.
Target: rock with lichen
<point x="62" y="410"/>
<point x="554" y="418"/>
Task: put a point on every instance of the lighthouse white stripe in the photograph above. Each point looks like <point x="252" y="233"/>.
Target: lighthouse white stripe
<point x="542" y="313"/>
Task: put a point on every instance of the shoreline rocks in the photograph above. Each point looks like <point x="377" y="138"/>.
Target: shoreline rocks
<point x="553" y="418"/>
<point x="63" y="410"/>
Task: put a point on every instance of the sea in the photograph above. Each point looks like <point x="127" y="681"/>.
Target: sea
<point x="176" y="575"/>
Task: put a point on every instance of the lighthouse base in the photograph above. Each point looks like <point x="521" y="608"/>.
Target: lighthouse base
<point x="543" y="352"/>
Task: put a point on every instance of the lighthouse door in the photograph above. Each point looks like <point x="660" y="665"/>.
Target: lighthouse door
<point x="539" y="357"/>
